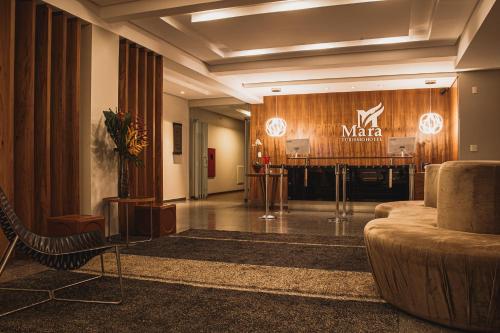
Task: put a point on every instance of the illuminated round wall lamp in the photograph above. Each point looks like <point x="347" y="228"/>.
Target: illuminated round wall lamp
<point x="431" y="122"/>
<point x="276" y="126"/>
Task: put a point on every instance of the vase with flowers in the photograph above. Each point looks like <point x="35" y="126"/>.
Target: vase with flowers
<point x="130" y="138"/>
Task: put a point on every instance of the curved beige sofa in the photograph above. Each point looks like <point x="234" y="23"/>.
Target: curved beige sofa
<point x="443" y="264"/>
<point x="430" y="195"/>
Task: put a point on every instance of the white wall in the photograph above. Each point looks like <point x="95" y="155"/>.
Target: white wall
<point x="99" y="91"/>
<point x="227" y="136"/>
<point x="479" y="115"/>
<point x="175" y="167"/>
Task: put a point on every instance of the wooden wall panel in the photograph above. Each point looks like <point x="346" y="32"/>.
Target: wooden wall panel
<point x="58" y="107"/>
<point x="150" y="125"/>
<point x="7" y="28"/>
<point x="319" y="117"/>
<point x="158" y="129"/>
<point x="43" y="42"/>
<point x="133" y="103"/>
<point x="142" y="116"/>
<point x="454" y="119"/>
<point x="24" y="115"/>
<point x="71" y="204"/>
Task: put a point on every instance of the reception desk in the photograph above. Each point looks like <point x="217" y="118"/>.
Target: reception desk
<point x="364" y="183"/>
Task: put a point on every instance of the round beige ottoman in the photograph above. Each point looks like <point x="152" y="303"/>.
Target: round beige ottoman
<point x="431" y="185"/>
<point x="469" y="196"/>
<point x="445" y="276"/>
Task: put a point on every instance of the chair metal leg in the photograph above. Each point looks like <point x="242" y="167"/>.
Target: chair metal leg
<point x="3" y="263"/>
<point x="51" y="293"/>
<point x="117" y="252"/>
<point x="7" y="254"/>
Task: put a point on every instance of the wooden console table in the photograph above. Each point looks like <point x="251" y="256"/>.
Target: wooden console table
<point x="127" y="202"/>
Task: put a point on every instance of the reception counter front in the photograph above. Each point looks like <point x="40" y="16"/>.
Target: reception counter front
<point x="364" y="183"/>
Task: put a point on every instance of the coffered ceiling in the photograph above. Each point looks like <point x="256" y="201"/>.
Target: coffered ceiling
<point x="243" y="48"/>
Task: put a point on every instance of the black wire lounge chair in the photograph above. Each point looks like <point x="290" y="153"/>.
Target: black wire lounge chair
<point x="61" y="253"/>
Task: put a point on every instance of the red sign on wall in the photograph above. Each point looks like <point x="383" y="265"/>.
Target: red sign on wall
<point x="211" y="162"/>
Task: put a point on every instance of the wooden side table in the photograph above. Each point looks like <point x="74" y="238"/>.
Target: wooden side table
<point x="127" y="202"/>
<point x="67" y="225"/>
<point x="164" y="219"/>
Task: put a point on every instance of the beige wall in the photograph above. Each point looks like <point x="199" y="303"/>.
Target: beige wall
<point x="227" y="136"/>
<point x="175" y="167"/>
<point x="479" y="114"/>
<point x="99" y="91"/>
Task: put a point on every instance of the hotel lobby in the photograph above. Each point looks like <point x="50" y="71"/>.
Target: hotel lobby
<point x="250" y="166"/>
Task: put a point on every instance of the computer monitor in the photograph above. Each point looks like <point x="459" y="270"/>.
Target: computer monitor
<point x="298" y="147"/>
<point x="401" y="146"/>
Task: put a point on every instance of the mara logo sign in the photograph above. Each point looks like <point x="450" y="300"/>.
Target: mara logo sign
<point x="367" y="128"/>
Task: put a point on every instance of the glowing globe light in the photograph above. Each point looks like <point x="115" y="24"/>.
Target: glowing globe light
<point x="275" y="127"/>
<point x="431" y="123"/>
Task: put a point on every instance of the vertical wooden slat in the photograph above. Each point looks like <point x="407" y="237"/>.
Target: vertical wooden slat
<point x="71" y="204"/>
<point x="123" y="76"/>
<point x="7" y="28"/>
<point x="24" y="115"/>
<point x="123" y="72"/>
<point x="142" y="115"/>
<point x="43" y="42"/>
<point x="150" y="124"/>
<point x="133" y="86"/>
<point x="158" y="129"/>
<point x="58" y="106"/>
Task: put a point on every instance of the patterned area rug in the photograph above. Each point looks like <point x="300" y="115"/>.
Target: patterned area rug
<point x="216" y="281"/>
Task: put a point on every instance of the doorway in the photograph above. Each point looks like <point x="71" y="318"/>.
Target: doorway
<point x="199" y="159"/>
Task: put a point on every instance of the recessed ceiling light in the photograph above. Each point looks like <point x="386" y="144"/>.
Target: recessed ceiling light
<point x="265" y="8"/>
<point x="275" y="90"/>
<point x="182" y="92"/>
<point x="245" y="112"/>
<point x="430" y="81"/>
<point x="320" y="46"/>
<point x="353" y="87"/>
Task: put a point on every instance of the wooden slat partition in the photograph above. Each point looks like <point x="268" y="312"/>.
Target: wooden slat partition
<point x="24" y="115"/>
<point x="71" y="204"/>
<point x="142" y="115"/>
<point x="7" y="28"/>
<point x="43" y="42"/>
<point x="140" y="92"/>
<point x="58" y="106"/>
<point x="150" y="124"/>
<point x="133" y="102"/>
<point x="159" y="128"/>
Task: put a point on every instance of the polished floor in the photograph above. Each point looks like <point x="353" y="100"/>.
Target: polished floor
<point x="229" y="212"/>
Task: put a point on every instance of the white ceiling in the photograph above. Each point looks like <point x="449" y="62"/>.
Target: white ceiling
<point x="320" y="46"/>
